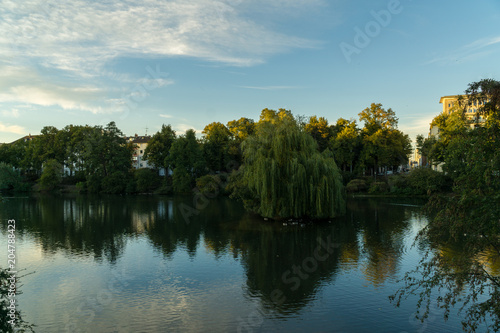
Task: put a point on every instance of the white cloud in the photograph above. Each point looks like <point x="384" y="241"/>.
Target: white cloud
<point x="56" y="53"/>
<point x="81" y="36"/>
<point x="470" y="52"/>
<point x="414" y="126"/>
<point x="19" y="84"/>
<point x="270" y="87"/>
<point x="6" y="128"/>
<point x="13" y="113"/>
<point x="166" y="116"/>
<point x="182" y="128"/>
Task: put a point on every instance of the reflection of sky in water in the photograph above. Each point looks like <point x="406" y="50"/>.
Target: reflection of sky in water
<point x="144" y="289"/>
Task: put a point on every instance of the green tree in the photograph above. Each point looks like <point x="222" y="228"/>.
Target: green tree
<point x="319" y="129"/>
<point x="346" y="144"/>
<point x="182" y="181"/>
<point x="186" y="156"/>
<point x="375" y="117"/>
<point x="159" y="146"/>
<point x="284" y="174"/>
<point x="216" y="142"/>
<point x="465" y="220"/>
<point x="76" y="138"/>
<point x="5" y="319"/>
<point x="240" y="129"/>
<point x="146" y="180"/>
<point x="383" y="144"/>
<point x="10" y="179"/>
<point x="51" y="175"/>
<point x="107" y="154"/>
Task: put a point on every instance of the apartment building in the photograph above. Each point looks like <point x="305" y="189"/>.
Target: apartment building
<point x="140" y="142"/>
<point x="450" y="104"/>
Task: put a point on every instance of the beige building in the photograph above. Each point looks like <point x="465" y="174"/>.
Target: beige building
<point x="141" y="142"/>
<point x="450" y="104"/>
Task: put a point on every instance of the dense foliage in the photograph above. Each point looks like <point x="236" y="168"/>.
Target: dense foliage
<point x="98" y="159"/>
<point x="467" y="221"/>
<point x="285" y="175"/>
<point x="5" y="306"/>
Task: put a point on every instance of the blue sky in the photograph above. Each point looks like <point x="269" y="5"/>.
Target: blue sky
<point x="188" y="63"/>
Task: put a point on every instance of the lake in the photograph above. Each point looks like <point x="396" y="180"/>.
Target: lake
<point x="156" y="264"/>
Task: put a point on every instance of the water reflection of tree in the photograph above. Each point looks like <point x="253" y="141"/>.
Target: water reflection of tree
<point x="77" y="225"/>
<point x="270" y="250"/>
<point x="283" y="260"/>
<point x="382" y="224"/>
<point x="371" y="234"/>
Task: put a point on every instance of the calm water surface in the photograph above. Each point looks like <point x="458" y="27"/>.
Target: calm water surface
<point x="154" y="264"/>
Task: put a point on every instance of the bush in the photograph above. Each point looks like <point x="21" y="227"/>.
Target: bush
<point x="356" y="185"/>
<point x="10" y="179"/>
<point x="399" y="184"/>
<point x="347" y="177"/>
<point x="81" y="186"/>
<point x="146" y="180"/>
<point x="212" y="184"/>
<point x="93" y="183"/>
<point x="427" y="181"/>
<point x="115" y="183"/>
<point x="378" y="187"/>
<point x="181" y="181"/>
<point x="51" y="175"/>
<point x="166" y="186"/>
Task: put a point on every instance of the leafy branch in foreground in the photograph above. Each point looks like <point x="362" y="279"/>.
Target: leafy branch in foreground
<point x="462" y="263"/>
<point x="5" y="307"/>
<point x="461" y="266"/>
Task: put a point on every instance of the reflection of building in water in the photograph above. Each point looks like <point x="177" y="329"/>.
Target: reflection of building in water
<point x="143" y="221"/>
<point x="163" y="211"/>
<point x="73" y="214"/>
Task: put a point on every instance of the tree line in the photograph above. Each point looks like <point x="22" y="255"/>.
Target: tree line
<point x="99" y="159"/>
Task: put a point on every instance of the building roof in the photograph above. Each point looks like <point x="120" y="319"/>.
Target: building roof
<point x="25" y="138"/>
<point x="448" y="97"/>
<point x="138" y="138"/>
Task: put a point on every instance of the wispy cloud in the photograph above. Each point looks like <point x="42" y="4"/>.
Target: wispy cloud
<point x="270" y="87"/>
<point x="182" y="128"/>
<point x="166" y="116"/>
<point x="81" y="36"/>
<point x="21" y="85"/>
<point x="6" y="128"/>
<point x="13" y="113"/>
<point x="59" y="53"/>
<point x="472" y="51"/>
<point x="417" y="125"/>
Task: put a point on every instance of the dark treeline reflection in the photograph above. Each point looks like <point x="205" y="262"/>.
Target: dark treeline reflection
<point x="285" y="264"/>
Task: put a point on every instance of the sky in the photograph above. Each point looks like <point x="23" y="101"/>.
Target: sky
<point x="144" y="63"/>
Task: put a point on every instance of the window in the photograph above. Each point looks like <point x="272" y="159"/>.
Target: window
<point x="140" y="151"/>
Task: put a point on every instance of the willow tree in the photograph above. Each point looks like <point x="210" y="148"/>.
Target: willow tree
<point x="285" y="176"/>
